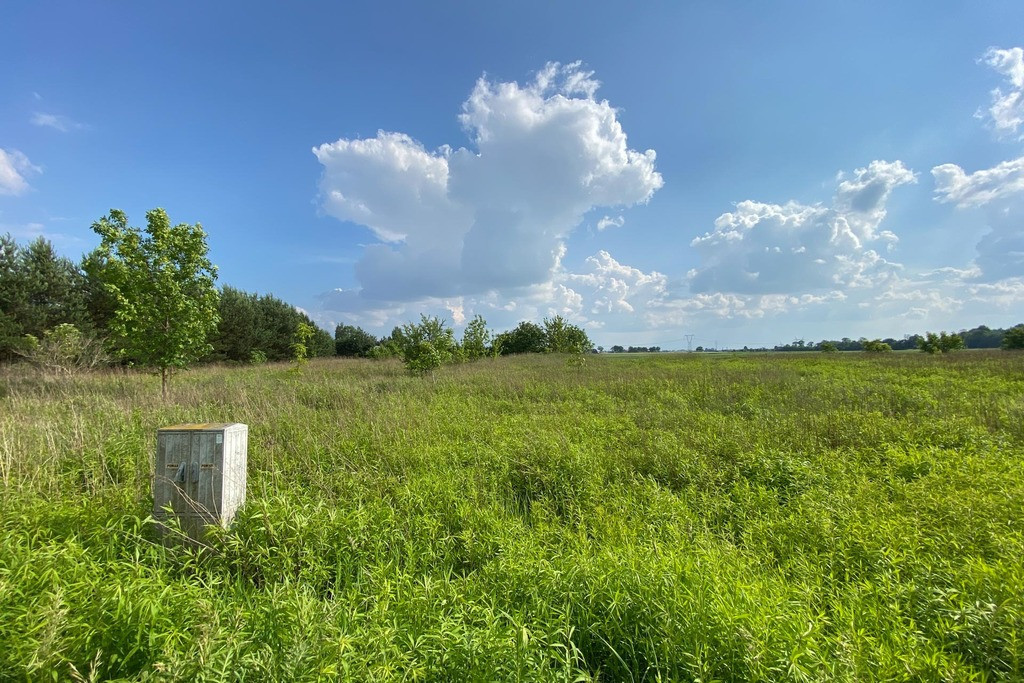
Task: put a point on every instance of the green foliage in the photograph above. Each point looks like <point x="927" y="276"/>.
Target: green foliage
<point x="257" y="357"/>
<point x="562" y="337"/>
<point x="659" y="517"/>
<point x="38" y="291"/>
<point x="426" y="346"/>
<point x="877" y="346"/>
<point x="476" y="338"/>
<point x="300" y="347"/>
<point x="163" y="286"/>
<point x="64" y="350"/>
<point x="526" y="337"/>
<point x="1014" y="338"/>
<point x="828" y="347"/>
<point x="940" y="343"/>
<point x="350" y="340"/>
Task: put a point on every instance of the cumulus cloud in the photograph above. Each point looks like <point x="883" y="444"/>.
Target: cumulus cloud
<point x="466" y="221"/>
<point x="56" y="121"/>
<point x="761" y="248"/>
<point x="14" y="166"/>
<point x="1006" y="112"/>
<point x="953" y="184"/>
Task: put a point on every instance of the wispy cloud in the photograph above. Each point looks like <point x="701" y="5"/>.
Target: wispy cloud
<point x="62" y="123"/>
<point x="14" y="166"/>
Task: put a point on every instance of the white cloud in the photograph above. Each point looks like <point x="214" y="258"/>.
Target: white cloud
<point x="762" y="248"/>
<point x="56" y="121"/>
<point x="609" y="222"/>
<point x="1006" y="112"/>
<point x="953" y="184"/>
<point x="14" y="166"/>
<point x="492" y="218"/>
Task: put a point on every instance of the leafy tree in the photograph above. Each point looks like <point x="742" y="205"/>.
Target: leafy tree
<point x="1014" y="338"/>
<point x="427" y="345"/>
<point x="829" y="347"/>
<point x="300" y="347"/>
<point x="940" y="343"/>
<point x="526" y="337"/>
<point x="877" y="346"/>
<point x="350" y="340"/>
<point x="562" y="337"/>
<point x="617" y="348"/>
<point x="163" y="286"/>
<point x="476" y="338"/>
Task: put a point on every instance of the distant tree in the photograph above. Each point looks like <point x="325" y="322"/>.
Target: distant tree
<point x="526" y="337"/>
<point x="828" y="347"/>
<point x="877" y="346"/>
<point x="699" y="348"/>
<point x="350" y="340"/>
<point x="1014" y="338"/>
<point x="940" y="343"/>
<point x="236" y="336"/>
<point x="476" y="338"/>
<point x="560" y="336"/>
<point x="38" y="291"/>
<point x="617" y="348"/>
<point x="163" y="285"/>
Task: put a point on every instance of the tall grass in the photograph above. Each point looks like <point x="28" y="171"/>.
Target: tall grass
<point x="665" y="517"/>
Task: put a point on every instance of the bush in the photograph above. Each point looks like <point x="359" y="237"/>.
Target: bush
<point x="1014" y="338"/>
<point x="877" y="346"/>
<point x="63" y="350"/>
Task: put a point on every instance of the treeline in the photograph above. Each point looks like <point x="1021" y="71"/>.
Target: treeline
<point x="431" y="343"/>
<point x="981" y="337"/>
<point x="40" y="292"/>
<point x="634" y="349"/>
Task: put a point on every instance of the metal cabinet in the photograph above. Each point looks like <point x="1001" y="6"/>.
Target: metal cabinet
<point x="200" y="474"/>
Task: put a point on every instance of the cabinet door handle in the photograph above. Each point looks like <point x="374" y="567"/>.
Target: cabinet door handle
<point x="179" y="476"/>
<point x="195" y="472"/>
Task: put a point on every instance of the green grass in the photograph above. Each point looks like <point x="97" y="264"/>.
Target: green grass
<point x="662" y="517"/>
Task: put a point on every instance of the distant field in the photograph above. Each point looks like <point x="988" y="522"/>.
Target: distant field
<point x="656" y="517"/>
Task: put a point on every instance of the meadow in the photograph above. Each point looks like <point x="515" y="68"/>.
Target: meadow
<point x="754" y="517"/>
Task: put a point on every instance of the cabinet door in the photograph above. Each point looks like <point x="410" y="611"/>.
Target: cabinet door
<point x="174" y="451"/>
<point x="208" y="450"/>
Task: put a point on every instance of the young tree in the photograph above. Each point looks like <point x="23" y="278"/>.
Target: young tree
<point x="475" y="338"/>
<point x="527" y="337"/>
<point x="163" y="286"/>
<point x="562" y="337"/>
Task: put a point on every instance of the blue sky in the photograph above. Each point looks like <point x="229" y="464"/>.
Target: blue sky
<point x="750" y="173"/>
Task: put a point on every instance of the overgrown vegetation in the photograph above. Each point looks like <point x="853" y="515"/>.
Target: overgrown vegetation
<point x="661" y="517"/>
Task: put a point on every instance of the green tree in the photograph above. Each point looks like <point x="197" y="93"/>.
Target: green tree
<point x="163" y="285"/>
<point x="562" y="337"/>
<point x="526" y="337"/>
<point x="300" y="346"/>
<point x="38" y="291"/>
<point x="1014" y="338"/>
<point x="350" y="340"/>
<point x="876" y="346"/>
<point x="476" y="338"/>
<point x="940" y="343"/>
<point x="828" y="347"/>
<point x="236" y="336"/>
<point x="426" y="346"/>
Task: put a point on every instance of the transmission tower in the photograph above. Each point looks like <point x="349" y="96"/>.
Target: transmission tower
<point x="689" y="342"/>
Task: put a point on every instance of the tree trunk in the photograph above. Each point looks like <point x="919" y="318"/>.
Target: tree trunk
<point x="163" y="382"/>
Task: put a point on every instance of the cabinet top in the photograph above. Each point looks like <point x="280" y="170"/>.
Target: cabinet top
<point x="201" y="427"/>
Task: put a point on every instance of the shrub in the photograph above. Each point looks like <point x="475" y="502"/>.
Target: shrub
<point x="877" y="346"/>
